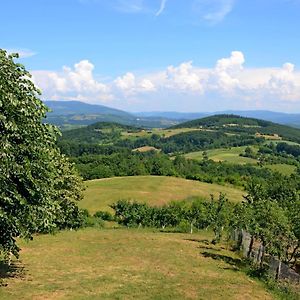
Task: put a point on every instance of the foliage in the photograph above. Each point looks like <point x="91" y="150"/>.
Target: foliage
<point x="38" y="185"/>
<point x="199" y="213"/>
<point x="271" y="215"/>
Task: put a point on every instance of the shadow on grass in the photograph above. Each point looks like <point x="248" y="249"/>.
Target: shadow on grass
<point x="14" y="270"/>
<point x="204" y="241"/>
<point x="236" y="262"/>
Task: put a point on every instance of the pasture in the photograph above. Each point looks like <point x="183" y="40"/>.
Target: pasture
<point x="230" y="155"/>
<point x="155" y="190"/>
<point x="128" y="264"/>
<point x="159" y="131"/>
<point x="284" y="169"/>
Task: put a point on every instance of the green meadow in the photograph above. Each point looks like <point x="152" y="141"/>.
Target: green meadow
<point x="230" y="155"/>
<point x="128" y="264"/>
<point x="155" y="190"/>
<point x="284" y="169"/>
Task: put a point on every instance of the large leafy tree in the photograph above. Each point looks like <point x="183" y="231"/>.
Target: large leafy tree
<point x="38" y="186"/>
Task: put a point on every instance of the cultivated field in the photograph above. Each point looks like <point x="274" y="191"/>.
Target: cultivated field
<point x="128" y="264"/>
<point x="230" y="155"/>
<point x="155" y="190"/>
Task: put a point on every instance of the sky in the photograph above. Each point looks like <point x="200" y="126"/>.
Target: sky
<point x="160" y="55"/>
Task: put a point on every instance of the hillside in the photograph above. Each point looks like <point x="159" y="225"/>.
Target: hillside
<point x="289" y="119"/>
<point x="154" y="190"/>
<point x="100" y="132"/>
<point x="235" y="123"/>
<point x="129" y="264"/>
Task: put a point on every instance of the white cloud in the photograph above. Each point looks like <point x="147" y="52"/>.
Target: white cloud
<point x="213" y="11"/>
<point x="229" y="80"/>
<point x="128" y="84"/>
<point x="78" y="82"/>
<point x="23" y="53"/>
<point x="184" y="78"/>
<point x="162" y="7"/>
<point x="285" y="83"/>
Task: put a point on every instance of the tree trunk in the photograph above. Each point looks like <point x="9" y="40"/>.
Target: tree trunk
<point x="278" y="271"/>
<point x="262" y="255"/>
<point x="250" y="247"/>
<point x="191" y="228"/>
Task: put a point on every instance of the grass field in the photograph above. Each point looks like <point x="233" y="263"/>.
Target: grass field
<point x="282" y="168"/>
<point x="230" y="155"/>
<point x="162" y="132"/>
<point x="128" y="264"/>
<point x="155" y="190"/>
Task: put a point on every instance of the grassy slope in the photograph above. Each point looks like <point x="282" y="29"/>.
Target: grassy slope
<point x="229" y="155"/>
<point x="156" y="190"/>
<point x="129" y="264"/>
<point x="283" y="168"/>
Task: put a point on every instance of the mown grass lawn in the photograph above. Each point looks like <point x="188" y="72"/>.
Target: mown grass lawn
<point x="155" y="190"/>
<point x="129" y="264"/>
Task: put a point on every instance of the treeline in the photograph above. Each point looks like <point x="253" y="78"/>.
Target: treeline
<point x="198" y="214"/>
<point x="75" y="143"/>
<point x="270" y="214"/>
<point x="153" y="163"/>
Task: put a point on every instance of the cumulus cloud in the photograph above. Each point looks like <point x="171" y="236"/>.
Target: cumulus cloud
<point x="77" y="82"/>
<point x="229" y="79"/>
<point x="128" y="84"/>
<point x="225" y="75"/>
<point x="285" y="83"/>
<point x="184" y="78"/>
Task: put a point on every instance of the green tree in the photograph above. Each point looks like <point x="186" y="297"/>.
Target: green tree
<point x="38" y="186"/>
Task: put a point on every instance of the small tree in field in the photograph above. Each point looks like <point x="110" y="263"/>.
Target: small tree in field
<point x="38" y="185"/>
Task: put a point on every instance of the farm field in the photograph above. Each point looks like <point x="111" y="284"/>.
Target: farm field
<point x="155" y="190"/>
<point x="230" y="155"/>
<point x="128" y="264"/>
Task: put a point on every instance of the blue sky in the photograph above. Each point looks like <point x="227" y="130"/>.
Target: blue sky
<point x="142" y="55"/>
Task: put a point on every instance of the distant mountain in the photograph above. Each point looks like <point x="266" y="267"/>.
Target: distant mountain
<point x="173" y="115"/>
<point x="277" y="117"/>
<point x="74" y="114"/>
<point x="81" y="108"/>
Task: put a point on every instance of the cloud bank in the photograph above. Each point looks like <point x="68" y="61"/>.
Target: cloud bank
<point x="229" y="80"/>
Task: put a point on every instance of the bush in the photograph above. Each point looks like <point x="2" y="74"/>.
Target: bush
<point x="104" y="215"/>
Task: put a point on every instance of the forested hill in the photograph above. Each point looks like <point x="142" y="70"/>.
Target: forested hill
<point x="98" y="132"/>
<point x="235" y="123"/>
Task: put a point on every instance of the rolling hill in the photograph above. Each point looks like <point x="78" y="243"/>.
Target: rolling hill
<point x="276" y="117"/>
<point x="238" y="124"/>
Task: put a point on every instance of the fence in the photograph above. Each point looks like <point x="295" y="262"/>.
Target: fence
<point x="254" y="251"/>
